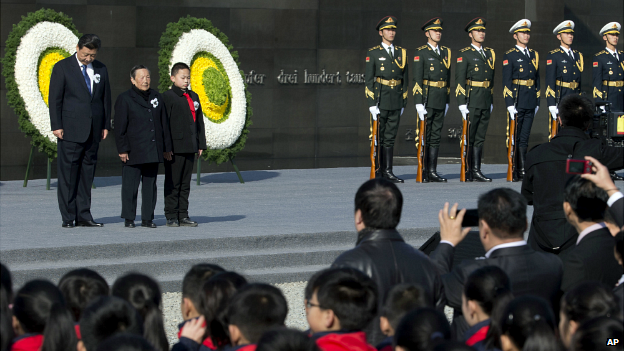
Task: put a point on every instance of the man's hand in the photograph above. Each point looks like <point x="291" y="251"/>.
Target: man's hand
<point x="450" y="224"/>
<point x="512" y="112"/>
<point x="167" y="155"/>
<point x="58" y="133"/>
<point x="374" y="110"/>
<point x="104" y="133"/>
<point x="195" y="329"/>
<point x="422" y="111"/>
<point x="124" y="157"/>
<point x="199" y="152"/>
<point x="554" y="111"/>
<point x="601" y="177"/>
<point x="464" y="110"/>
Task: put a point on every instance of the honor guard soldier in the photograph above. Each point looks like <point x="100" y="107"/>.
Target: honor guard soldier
<point x="521" y="90"/>
<point x="432" y="76"/>
<point x="474" y="75"/>
<point x="563" y="70"/>
<point x="386" y="90"/>
<point x="608" y="67"/>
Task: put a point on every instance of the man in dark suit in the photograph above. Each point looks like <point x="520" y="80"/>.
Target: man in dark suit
<point x="80" y="105"/>
<point x="546" y="175"/>
<point x="381" y="252"/>
<point x="592" y="258"/>
<point x="502" y="222"/>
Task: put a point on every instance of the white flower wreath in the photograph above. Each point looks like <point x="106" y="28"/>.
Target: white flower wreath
<point x="218" y="135"/>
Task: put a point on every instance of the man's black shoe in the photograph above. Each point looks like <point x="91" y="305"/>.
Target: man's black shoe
<point x="148" y="224"/>
<point x="68" y="224"/>
<point x="186" y="222"/>
<point x="88" y="224"/>
<point x="129" y="223"/>
<point x="173" y="222"/>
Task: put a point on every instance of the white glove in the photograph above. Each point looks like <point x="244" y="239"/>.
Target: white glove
<point x="512" y="112"/>
<point x="464" y="110"/>
<point x="402" y="109"/>
<point x="536" y="108"/>
<point x="446" y="110"/>
<point x="554" y="111"/>
<point x="604" y="109"/>
<point x="491" y="108"/>
<point x="374" y="110"/>
<point x="421" y="111"/>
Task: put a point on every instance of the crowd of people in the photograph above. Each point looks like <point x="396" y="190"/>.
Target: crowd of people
<point x="383" y="292"/>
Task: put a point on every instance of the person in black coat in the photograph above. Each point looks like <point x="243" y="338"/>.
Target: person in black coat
<point x="143" y="140"/>
<point x="546" y="175"/>
<point x="592" y="257"/>
<point x="502" y="219"/>
<point x="380" y="251"/>
<point x="186" y="121"/>
<point x="80" y="108"/>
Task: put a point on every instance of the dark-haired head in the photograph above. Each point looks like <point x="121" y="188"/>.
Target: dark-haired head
<point x="192" y="285"/>
<point x="528" y="323"/>
<point x="90" y="41"/>
<point x="237" y="280"/>
<point x="108" y="316"/>
<point x="6" y="326"/>
<point x="6" y="281"/>
<point x="575" y="111"/>
<point x="583" y="201"/>
<point x="40" y="308"/>
<point x="504" y="212"/>
<point x="585" y="301"/>
<point x="401" y="299"/>
<point x="80" y="287"/>
<point x="344" y="298"/>
<point x="452" y="346"/>
<point x="144" y="294"/>
<point x="125" y="342"/>
<point x="254" y="309"/>
<point x="378" y="204"/>
<point x="422" y="330"/>
<point x="177" y="67"/>
<point x="598" y="334"/>
<point x="285" y="339"/>
<point x="134" y="69"/>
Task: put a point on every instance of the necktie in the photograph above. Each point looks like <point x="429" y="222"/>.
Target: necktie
<point x="483" y="54"/>
<point x="616" y="56"/>
<point x="191" y="104"/>
<point x="571" y="54"/>
<point x="438" y="51"/>
<point x="86" y="78"/>
<point x="526" y="52"/>
<point x="390" y="51"/>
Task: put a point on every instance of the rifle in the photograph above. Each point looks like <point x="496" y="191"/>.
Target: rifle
<point x="511" y="145"/>
<point x="554" y="126"/>
<point x="374" y="153"/>
<point x="422" y="135"/>
<point x="465" y="136"/>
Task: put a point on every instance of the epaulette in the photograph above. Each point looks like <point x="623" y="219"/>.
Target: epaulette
<point x="574" y="50"/>
<point x="555" y="51"/>
<point x="422" y="47"/>
<point x="619" y="52"/>
<point x="465" y="49"/>
<point x="531" y="50"/>
<point x="397" y="47"/>
<point x="510" y="51"/>
<point x="443" y="47"/>
<point x="602" y="52"/>
<point x="376" y="47"/>
<point x="489" y="49"/>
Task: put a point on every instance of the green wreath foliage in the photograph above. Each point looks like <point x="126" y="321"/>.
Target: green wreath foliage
<point x="167" y="43"/>
<point x="42" y="143"/>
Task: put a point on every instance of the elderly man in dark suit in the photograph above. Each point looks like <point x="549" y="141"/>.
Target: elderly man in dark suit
<point x="80" y="108"/>
<point x="502" y="222"/>
<point x="143" y="140"/>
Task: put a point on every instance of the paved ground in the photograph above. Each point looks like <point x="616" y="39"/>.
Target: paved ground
<point x="270" y="202"/>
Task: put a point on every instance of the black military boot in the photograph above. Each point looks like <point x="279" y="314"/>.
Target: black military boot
<point x="476" y="165"/>
<point x="387" y="172"/>
<point x="615" y="176"/>
<point x="432" y="165"/>
<point x="469" y="164"/>
<point x="522" y="158"/>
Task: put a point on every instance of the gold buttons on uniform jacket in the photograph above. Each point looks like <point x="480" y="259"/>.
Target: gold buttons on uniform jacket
<point x="521" y="69"/>
<point x="565" y="71"/>
<point x="431" y="68"/>
<point x="476" y="69"/>
<point x="382" y="68"/>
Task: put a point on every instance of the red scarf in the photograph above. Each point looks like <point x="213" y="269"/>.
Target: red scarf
<point x="191" y="104"/>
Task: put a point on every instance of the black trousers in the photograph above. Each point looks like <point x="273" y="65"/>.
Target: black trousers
<point x="178" y="185"/>
<point x="479" y="120"/>
<point x="525" y="121"/>
<point x="388" y="126"/>
<point x="76" y="168"/>
<point x="131" y="176"/>
<point x="435" y="120"/>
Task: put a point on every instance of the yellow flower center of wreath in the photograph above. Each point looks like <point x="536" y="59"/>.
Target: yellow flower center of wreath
<point x="45" y="72"/>
<point x="211" y="110"/>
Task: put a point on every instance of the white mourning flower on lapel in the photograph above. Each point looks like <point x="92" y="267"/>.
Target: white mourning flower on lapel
<point x="154" y="102"/>
<point x="196" y="105"/>
<point x="96" y="78"/>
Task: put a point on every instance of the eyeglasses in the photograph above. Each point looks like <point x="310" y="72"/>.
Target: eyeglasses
<point x="310" y="304"/>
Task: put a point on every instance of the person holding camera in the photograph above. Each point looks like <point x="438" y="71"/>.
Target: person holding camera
<point x="546" y="175"/>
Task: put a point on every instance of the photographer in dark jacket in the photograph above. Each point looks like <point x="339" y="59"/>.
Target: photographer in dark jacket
<point x="381" y="252"/>
<point x="546" y="175"/>
<point x="143" y="139"/>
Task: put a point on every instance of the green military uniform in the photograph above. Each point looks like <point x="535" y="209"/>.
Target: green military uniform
<point x="432" y="78"/>
<point x="474" y="75"/>
<point x="387" y="83"/>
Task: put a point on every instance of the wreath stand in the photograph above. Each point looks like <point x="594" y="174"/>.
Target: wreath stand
<point x="240" y="177"/>
<point x="32" y="149"/>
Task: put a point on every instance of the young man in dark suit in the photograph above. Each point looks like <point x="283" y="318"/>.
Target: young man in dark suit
<point x="592" y="258"/>
<point x="186" y="121"/>
<point x="502" y="222"/>
<point x="80" y="109"/>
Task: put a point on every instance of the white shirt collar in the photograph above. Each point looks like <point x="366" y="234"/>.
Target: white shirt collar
<point x="567" y="51"/>
<point x="435" y="48"/>
<point x="478" y="48"/>
<point x="611" y="52"/>
<point x="591" y="228"/>
<point x="621" y="280"/>
<point x="388" y="46"/>
<point x="505" y="245"/>
<point x="80" y="64"/>
<point x="522" y="49"/>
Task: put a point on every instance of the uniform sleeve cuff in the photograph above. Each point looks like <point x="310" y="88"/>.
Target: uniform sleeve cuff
<point x="614" y="198"/>
<point x="447" y="242"/>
